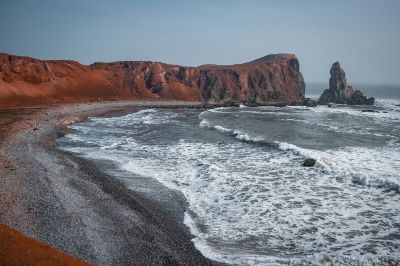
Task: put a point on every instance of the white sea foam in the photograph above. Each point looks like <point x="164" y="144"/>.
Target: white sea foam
<point x="392" y="103"/>
<point x="112" y="145"/>
<point x="206" y="124"/>
<point x="236" y="133"/>
<point x="368" y="166"/>
<point x="147" y="117"/>
<point x="244" y="198"/>
<point x="278" y="111"/>
<point x="219" y="110"/>
<point x="256" y="204"/>
<point x="379" y="114"/>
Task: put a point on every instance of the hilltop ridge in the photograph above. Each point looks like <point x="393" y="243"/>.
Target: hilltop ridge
<point x="270" y="79"/>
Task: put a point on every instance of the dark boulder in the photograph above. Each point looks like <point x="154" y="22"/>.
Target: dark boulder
<point x="357" y="98"/>
<point x="310" y="103"/>
<point x="309" y="162"/>
<point x="369" y="111"/>
<point x="340" y="92"/>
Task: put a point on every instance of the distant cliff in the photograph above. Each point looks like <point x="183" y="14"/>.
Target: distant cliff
<point x="340" y="92"/>
<point x="271" y="79"/>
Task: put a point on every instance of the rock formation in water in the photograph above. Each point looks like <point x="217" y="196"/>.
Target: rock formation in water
<point x="340" y="92"/>
<point x="310" y="102"/>
<point x="271" y="79"/>
<point x="309" y="162"/>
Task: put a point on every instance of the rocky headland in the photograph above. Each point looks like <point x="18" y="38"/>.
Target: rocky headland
<point x="340" y="92"/>
<point x="270" y="79"/>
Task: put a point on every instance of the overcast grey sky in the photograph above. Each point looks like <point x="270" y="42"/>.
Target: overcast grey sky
<point x="364" y="35"/>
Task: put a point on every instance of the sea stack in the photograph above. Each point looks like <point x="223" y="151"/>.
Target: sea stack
<point x="340" y="92"/>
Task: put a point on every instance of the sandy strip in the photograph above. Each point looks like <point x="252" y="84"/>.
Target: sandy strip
<point x="70" y="204"/>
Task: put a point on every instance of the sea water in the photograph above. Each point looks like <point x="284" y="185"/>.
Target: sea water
<point x="250" y="200"/>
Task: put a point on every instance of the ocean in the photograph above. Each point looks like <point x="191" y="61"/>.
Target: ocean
<point x="250" y="200"/>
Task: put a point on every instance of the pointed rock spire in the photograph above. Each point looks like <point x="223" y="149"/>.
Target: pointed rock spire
<point x="340" y="92"/>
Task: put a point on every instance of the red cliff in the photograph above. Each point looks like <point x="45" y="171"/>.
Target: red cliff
<point x="271" y="79"/>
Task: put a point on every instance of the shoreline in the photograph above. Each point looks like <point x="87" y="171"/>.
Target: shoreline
<point x="149" y="103"/>
<point x="71" y="204"/>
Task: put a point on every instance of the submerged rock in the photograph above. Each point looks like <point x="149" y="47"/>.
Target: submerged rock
<point x="309" y="162"/>
<point x="340" y="92"/>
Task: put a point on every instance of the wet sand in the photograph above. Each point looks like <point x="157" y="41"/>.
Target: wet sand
<point x="71" y="204"/>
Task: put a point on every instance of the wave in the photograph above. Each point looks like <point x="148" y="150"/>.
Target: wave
<point x="388" y="102"/>
<point x="342" y="129"/>
<point x="246" y="137"/>
<point x="206" y="124"/>
<point x="364" y="165"/>
<point x="246" y="202"/>
<point x="240" y="135"/>
<point x="261" y="110"/>
<point x="113" y="145"/>
<point x="218" y="110"/>
<point x="387" y="114"/>
<point x="142" y="117"/>
<point x="202" y="244"/>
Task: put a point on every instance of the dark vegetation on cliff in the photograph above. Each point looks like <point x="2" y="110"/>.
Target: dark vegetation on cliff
<point x="270" y="79"/>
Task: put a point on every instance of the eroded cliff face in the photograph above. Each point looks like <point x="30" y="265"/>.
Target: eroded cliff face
<point x="271" y="79"/>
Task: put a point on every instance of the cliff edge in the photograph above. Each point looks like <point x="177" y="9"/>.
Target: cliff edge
<point x="270" y="79"/>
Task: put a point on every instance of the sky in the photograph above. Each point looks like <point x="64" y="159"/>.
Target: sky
<point x="364" y="35"/>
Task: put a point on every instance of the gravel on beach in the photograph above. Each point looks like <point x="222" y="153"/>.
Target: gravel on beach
<point x="71" y="204"/>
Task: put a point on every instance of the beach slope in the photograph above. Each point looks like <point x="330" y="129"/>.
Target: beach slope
<point x="68" y="203"/>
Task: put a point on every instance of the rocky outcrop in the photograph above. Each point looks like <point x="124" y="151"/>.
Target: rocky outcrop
<point x="340" y="92"/>
<point x="271" y="79"/>
<point x="310" y="102"/>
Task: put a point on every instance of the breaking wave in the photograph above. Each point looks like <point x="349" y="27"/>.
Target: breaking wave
<point x="250" y="200"/>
